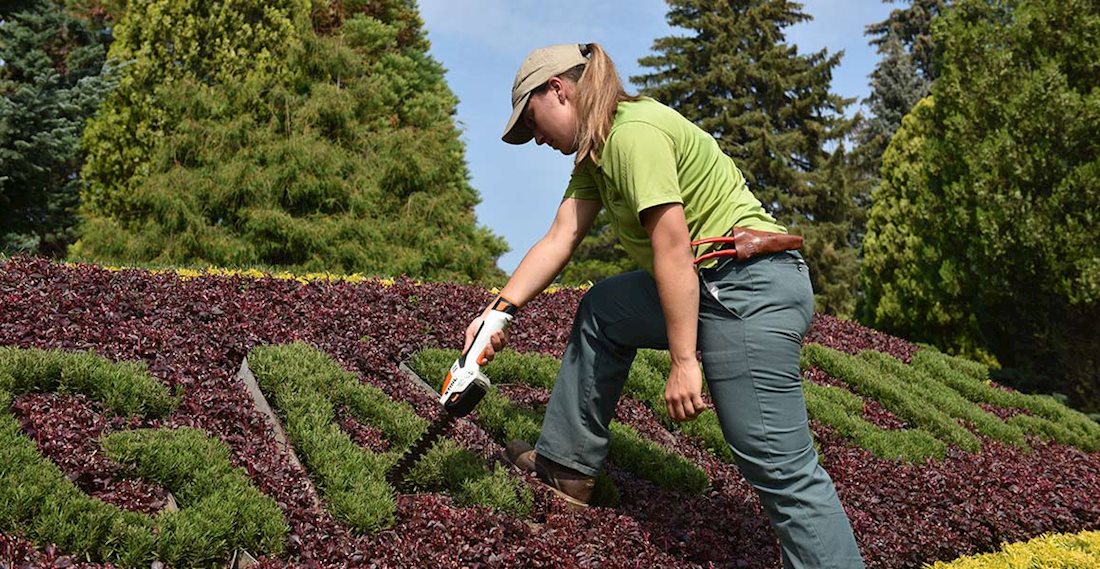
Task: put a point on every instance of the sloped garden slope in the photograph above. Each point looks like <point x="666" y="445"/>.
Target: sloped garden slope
<point x="931" y="460"/>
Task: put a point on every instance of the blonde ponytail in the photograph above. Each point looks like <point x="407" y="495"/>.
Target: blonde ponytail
<point x="599" y="91"/>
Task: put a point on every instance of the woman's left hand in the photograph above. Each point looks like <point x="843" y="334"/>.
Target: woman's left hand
<point x="684" y="391"/>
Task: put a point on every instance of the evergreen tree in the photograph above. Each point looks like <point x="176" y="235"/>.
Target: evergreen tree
<point x="313" y="140"/>
<point x="51" y="80"/>
<point x="912" y="28"/>
<point x="987" y="237"/>
<point x="896" y="86"/>
<point x="901" y="78"/>
<point x="771" y="110"/>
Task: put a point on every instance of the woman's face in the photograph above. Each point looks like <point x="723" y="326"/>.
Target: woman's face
<point x="552" y="117"/>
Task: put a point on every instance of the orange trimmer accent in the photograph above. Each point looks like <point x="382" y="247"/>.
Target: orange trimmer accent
<point x="446" y="382"/>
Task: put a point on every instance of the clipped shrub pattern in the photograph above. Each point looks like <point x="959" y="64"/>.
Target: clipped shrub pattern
<point x="508" y="421"/>
<point x="306" y="385"/>
<point x="192" y="333"/>
<point x="221" y="509"/>
<point x="918" y="394"/>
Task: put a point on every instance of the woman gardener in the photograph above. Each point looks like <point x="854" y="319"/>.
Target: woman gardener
<point x="743" y="302"/>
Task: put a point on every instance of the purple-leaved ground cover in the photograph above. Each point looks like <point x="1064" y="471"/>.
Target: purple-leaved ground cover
<point x="194" y="332"/>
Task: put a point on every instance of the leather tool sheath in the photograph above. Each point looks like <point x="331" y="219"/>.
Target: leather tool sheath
<point x="745" y="243"/>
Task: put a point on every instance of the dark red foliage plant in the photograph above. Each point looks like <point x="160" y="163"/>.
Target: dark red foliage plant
<point x="194" y="332"/>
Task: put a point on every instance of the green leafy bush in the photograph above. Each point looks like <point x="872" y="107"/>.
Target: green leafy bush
<point x="260" y="141"/>
<point x="507" y="421"/>
<point x="306" y="385"/>
<point x="220" y="508"/>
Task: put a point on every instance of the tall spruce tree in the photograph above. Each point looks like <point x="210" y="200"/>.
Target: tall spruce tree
<point x="51" y="80"/>
<point x="902" y="77"/>
<point x="912" y="28"/>
<point x="310" y="137"/>
<point x="771" y="110"/>
<point x="983" y="235"/>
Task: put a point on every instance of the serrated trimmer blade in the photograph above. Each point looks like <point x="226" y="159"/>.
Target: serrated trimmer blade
<point x="397" y="474"/>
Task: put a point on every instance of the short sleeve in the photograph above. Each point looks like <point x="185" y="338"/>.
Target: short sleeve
<point x="582" y="184"/>
<point x="639" y="159"/>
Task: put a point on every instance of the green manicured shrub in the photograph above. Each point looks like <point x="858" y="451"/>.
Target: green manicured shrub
<point x="897" y="396"/>
<point x="1049" y="419"/>
<point x="125" y="387"/>
<point x="946" y="399"/>
<point x="842" y="410"/>
<point x="220" y="509"/>
<point x="509" y="366"/>
<point x="446" y="461"/>
<point x="507" y="421"/>
<point x="306" y="385"/>
<point x="631" y="451"/>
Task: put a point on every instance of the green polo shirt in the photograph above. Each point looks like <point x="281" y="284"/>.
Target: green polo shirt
<point x="654" y="156"/>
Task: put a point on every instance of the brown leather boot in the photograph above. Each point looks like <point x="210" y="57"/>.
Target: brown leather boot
<point x="572" y="486"/>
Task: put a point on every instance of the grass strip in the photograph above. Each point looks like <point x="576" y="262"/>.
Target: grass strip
<point x="306" y="385"/>
<point x="506" y="420"/>
<point x="220" y="509"/>
<point x="896" y="396"/>
<point x="946" y="399"/>
<point x="1049" y="419"/>
<point x="126" y="388"/>
<point x="843" y="411"/>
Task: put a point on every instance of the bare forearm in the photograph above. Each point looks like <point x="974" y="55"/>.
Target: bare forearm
<point x="537" y="270"/>
<point x="678" y="288"/>
<point x="677" y="283"/>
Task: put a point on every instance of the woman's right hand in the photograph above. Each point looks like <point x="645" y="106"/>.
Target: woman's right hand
<point x="496" y="342"/>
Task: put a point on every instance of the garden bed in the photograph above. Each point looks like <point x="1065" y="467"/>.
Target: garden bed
<point x="995" y="467"/>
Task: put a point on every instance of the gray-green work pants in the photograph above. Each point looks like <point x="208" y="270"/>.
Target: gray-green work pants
<point x="752" y="316"/>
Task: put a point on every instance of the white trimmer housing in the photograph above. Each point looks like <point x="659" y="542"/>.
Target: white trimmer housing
<point x="465" y="384"/>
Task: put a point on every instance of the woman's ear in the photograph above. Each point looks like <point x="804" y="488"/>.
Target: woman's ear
<point x="559" y="86"/>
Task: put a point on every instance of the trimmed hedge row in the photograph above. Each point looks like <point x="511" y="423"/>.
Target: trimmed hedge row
<point x="843" y="410"/>
<point x="507" y="421"/>
<point x="938" y="395"/>
<point x="1049" y="419"/>
<point x="306" y="385"/>
<point x="125" y="387"/>
<point x="220" y="508"/>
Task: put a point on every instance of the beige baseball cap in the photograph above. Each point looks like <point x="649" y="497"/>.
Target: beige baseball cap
<point x="540" y="65"/>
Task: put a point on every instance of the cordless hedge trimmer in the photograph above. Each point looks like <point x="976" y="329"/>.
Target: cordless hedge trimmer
<point x="463" y="387"/>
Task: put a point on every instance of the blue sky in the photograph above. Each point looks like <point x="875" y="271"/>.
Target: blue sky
<point x="482" y="42"/>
